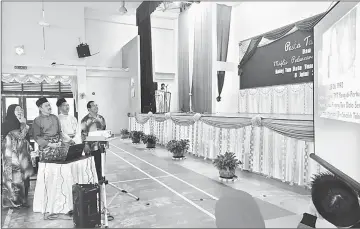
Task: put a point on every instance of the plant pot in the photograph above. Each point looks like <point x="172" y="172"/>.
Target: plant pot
<point x="150" y="145"/>
<point x="178" y="158"/>
<point x="135" y="140"/>
<point x="179" y="154"/>
<point x="226" y="173"/>
<point x="125" y="136"/>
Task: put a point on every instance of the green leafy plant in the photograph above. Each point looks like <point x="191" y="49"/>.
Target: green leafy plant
<point x="124" y="132"/>
<point x="184" y="144"/>
<point x="178" y="148"/>
<point x="227" y="161"/>
<point x="136" y="136"/>
<point x="151" y="139"/>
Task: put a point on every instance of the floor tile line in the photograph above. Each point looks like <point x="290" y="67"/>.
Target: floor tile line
<point x="140" y="179"/>
<point x="200" y="190"/>
<point x="166" y="186"/>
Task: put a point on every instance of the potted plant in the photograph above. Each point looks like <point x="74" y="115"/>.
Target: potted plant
<point x="150" y="140"/>
<point x="124" y="134"/>
<point x="136" y="136"/>
<point x="226" y="164"/>
<point x="178" y="148"/>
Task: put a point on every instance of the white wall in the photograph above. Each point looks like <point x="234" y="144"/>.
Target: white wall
<point x="164" y="35"/>
<point x="163" y="43"/>
<point x="107" y="35"/>
<point x="254" y="18"/>
<point x="131" y="60"/>
<point x="112" y="96"/>
<point x="20" y="27"/>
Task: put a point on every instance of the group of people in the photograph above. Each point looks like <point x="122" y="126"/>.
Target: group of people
<point x="53" y="134"/>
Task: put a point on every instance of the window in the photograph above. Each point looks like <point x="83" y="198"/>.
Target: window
<point x="26" y="95"/>
<point x="11" y="100"/>
<point x="32" y="111"/>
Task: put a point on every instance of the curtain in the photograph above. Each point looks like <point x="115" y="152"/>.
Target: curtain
<point x="143" y="21"/>
<point x="183" y="66"/>
<point x="146" y="68"/>
<point x="37" y="79"/>
<point x="191" y="13"/>
<point x="202" y="68"/>
<point x="279" y="99"/>
<point x="249" y="53"/>
<point x="306" y="24"/>
<point x="262" y="143"/>
<point x="34" y="78"/>
<point x="223" y="19"/>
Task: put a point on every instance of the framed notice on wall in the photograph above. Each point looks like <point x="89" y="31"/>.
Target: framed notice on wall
<point x="288" y="60"/>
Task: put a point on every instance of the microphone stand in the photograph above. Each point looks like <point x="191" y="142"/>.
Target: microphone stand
<point x="102" y="181"/>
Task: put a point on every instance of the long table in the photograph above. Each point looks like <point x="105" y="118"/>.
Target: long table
<point x="53" y="191"/>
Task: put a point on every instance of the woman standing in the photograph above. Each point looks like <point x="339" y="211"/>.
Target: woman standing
<point x="16" y="157"/>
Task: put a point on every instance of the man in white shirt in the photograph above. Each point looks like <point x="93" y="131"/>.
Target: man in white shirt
<point x="69" y="124"/>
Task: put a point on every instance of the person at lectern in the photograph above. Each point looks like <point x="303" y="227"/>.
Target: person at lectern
<point x="69" y="124"/>
<point x="162" y="87"/>
<point x="47" y="134"/>
<point x="93" y="122"/>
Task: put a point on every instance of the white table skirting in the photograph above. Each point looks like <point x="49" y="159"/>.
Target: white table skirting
<point x="261" y="150"/>
<point x="53" y="191"/>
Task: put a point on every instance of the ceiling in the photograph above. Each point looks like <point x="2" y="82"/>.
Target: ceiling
<point x="112" y="8"/>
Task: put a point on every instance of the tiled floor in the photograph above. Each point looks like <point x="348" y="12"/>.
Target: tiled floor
<point x="173" y="193"/>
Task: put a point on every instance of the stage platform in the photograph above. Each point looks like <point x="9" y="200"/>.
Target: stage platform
<point x="274" y="145"/>
<point x="307" y="117"/>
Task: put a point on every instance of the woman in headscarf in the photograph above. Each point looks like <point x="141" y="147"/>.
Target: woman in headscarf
<point x="16" y="157"/>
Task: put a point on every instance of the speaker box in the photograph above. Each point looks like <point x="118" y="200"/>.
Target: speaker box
<point x="86" y="205"/>
<point x="83" y="50"/>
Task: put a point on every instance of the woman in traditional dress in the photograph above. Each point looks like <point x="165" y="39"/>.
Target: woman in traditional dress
<point x="16" y="157"/>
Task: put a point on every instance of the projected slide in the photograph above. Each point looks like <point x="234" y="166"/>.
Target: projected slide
<point x="339" y="69"/>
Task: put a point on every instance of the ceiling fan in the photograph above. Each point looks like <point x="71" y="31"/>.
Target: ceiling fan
<point x="122" y="10"/>
<point x="44" y="25"/>
<point x="168" y="5"/>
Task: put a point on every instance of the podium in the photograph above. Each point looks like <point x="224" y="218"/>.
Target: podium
<point x="163" y="99"/>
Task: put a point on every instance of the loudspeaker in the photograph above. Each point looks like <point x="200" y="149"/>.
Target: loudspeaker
<point x="86" y="205"/>
<point x="83" y="50"/>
